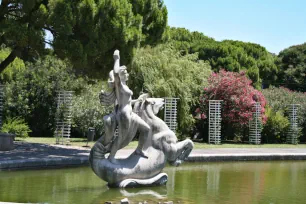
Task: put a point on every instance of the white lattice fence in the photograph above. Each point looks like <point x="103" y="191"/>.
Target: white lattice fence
<point x="170" y="113"/>
<point x="63" y="117"/>
<point x="255" y="125"/>
<point x="292" y="134"/>
<point x="214" y="130"/>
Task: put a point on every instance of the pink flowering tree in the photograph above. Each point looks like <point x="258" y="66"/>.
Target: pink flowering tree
<point x="238" y="96"/>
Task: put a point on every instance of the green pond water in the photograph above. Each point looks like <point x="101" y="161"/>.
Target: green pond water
<point x="230" y="182"/>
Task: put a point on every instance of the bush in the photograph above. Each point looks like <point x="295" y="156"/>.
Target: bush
<point x="279" y="99"/>
<point x="276" y="127"/>
<point x="32" y="95"/>
<point x="87" y="110"/>
<point x="16" y="126"/>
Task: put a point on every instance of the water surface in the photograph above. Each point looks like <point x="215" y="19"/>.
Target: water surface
<point x="230" y="182"/>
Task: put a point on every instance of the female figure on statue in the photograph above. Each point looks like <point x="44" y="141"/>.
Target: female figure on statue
<point x="123" y="116"/>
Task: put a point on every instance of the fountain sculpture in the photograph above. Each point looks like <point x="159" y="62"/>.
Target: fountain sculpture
<point x="157" y="143"/>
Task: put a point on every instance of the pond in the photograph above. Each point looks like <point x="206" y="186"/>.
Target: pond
<point x="229" y="182"/>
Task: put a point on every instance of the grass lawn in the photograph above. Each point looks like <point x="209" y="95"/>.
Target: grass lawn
<point x="82" y="142"/>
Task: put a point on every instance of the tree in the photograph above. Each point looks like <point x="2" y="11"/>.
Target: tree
<point x="292" y="64"/>
<point x="12" y="70"/>
<point x="163" y="72"/>
<point x="85" y="31"/>
<point x="22" y="23"/>
<point x="230" y="55"/>
<point x="154" y="19"/>
<point x="88" y="31"/>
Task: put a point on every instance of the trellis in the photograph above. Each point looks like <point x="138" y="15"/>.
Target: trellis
<point x="1" y="103"/>
<point x="63" y="117"/>
<point x="214" y="130"/>
<point x="255" y="124"/>
<point x="170" y="113"/>
<point x="292" y="134"/>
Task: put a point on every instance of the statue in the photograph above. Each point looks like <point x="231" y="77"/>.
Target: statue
<point x="157" y="143"/>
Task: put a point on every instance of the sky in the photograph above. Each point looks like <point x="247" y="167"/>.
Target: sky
<point x="274" y="24"/>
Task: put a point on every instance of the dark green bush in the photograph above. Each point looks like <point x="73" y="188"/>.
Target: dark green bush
<point x="279" y="99"/>
<point x="87" y="110"/>
<point x="276" y="127"/>
<point x="32" y="95"/>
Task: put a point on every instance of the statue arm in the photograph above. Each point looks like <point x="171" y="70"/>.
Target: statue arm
<point x="116" y="63"/>
<point x="134" y="101"/>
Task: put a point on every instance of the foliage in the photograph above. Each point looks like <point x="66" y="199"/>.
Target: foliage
<point x="163" y="72"/>
<point x="88" y="31"/>
<point x="10" y="72"/>
<point x="154" y="19"/>
<point x="230" y="55"/>
<point x="32" y="95"/>
<point x="276" y="127"/>
<point x="87" y="110"/>
<point x="22" y="23"/>
<point x="237" y="95"/>
<point x="279" y="99"/>
<point x="85" y="31"/>
<point x="292" y="63"/>
<point x="16" y="126"/>
<point x="185" y="40"/>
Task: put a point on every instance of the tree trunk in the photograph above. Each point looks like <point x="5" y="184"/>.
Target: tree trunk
<point x="8" y="60"/>
<point x="3" y="8"/>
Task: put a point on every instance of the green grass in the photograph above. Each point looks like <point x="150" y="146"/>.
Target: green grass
<point x="82" y="142"/>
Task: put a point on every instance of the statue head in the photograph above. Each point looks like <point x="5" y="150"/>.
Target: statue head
<point x="156" y="103"/>
<point x="123" y="74"/>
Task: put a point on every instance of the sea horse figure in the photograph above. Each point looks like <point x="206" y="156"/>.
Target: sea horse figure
<point x="157" y="143"/>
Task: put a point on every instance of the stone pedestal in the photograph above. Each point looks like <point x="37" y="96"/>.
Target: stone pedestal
<point x="6" y="141"/>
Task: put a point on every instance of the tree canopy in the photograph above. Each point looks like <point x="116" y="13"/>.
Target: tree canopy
<point x="13" y="68"/>
<point x="85" y="31"/>
<point x="229" y="55"/>
<point x="163" y="72"/>
<point x="21" y="23"/>
<point x="292" y="64"/>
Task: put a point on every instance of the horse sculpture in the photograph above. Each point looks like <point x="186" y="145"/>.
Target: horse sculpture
<point x="157" y="143"/>
<point x="161" y="146"/>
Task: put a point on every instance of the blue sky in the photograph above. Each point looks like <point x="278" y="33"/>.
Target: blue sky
<point x="274" y="24"/>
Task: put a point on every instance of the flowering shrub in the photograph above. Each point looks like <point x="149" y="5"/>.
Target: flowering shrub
<point x="237" y="94"/>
